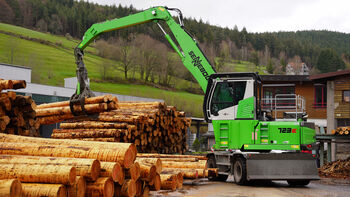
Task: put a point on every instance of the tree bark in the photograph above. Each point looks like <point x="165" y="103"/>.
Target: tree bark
<point x="28" y="173"/>
<point x="89" y="168"/>
<point x="39" y="190"/>
<point x="124" y="153"/>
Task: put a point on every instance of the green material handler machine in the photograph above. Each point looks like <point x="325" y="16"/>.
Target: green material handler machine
<point x="249" y="144"/>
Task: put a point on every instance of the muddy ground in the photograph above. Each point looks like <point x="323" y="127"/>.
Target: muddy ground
<point x="203" y="188"/>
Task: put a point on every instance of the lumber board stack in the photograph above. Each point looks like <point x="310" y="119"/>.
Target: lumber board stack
<point x="17" y="112"/>
<point x="152" y="126"/>
<point x="50" y="113"/>
<point x="342" y="131"/>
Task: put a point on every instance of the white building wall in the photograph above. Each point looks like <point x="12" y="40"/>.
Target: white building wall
<point x="23" y="73"/>
<point x="8" y="71"/>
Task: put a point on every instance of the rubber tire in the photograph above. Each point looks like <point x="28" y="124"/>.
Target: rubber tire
<point x="240" y="171"/>
<point x="298" y="182"/>
<point x="211" y="164"/>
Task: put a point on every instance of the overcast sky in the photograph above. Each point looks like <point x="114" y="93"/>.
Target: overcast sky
<point x="259" y="15"/>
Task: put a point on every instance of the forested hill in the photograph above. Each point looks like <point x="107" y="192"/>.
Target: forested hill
<point x="270" y="49"/>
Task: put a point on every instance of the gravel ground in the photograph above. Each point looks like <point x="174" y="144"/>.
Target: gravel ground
<point x="203" y="188"/>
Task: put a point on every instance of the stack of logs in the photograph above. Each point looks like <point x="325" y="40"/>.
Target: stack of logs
<point x="152" y="126"/>
<point x="59" y="111"/>
<point x="54" y="167"/>
<point x="341" y="131"/>
<point x="17" y="115"/>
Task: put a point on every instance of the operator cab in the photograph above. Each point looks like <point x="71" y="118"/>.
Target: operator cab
<point x="226" y="90"/>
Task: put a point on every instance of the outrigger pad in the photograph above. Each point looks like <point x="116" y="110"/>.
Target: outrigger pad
<point x="281" y="166"/>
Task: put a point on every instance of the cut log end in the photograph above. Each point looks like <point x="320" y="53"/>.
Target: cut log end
<point x="10" y="187"/>
<point x="72" y="176"/>
<point x="130" y="156"/>
<point x="95" y="169"/>
<point x="109" y="189"/>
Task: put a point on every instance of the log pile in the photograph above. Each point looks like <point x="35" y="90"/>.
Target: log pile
<point x="51" y="113"/>
<point x="341" y="131"/>
<point x="189" y="166"/>
<point x="17" y="112"/>
<point x="336" y="169"/>
<point x="151" y="126"/>
<point x="55" y="167"/>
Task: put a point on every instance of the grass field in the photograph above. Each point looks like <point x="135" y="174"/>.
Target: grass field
<point x="52" y="63"/>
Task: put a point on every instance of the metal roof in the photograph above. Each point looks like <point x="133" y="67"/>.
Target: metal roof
<point x="268" y="78"/>
<point x="3" y="64"/>
<point x="330" y="75"/>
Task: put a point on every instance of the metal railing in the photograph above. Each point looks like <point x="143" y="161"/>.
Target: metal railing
<point x="288" y="103"/>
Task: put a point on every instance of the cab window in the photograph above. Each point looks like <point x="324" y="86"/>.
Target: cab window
<point x="227" y="94"/>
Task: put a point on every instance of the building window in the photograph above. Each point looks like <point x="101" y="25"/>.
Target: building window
<point x="346" y="95"/>
<point x="320" y="96"/>
<point x="269" y="96"/>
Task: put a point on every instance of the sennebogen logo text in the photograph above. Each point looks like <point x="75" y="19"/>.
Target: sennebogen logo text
<point x="197" y="62"/>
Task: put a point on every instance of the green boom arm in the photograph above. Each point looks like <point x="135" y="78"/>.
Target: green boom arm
<point x="190" y="53"/>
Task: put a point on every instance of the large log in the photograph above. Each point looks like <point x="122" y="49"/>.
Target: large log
<point x="127" y="189"/>
<point x="147" y="172"/>
<point x="89" y="108"/>
<point x="156" y="155"/>
<point x="114" y="170"/>
<point x="78" y="188"/>
<point x="93" y="124"/>
<point x="91" y="100"/>
<point x="101" y="139"/>
<point x="187" y="173"/>
<point x="5" y="84"/>
<point x="86" y="133"/>
<point x="194" y="165"/>
<point x="155" y="184"/>
<point x="178" y="159"/>
<point x="103" y="186"/>
<point x="133" y="172"/>
<point x="39" y="190"/>
<point x="124" y="153"/>
<point x="168" y="181"/>
<point x="10" y="188"/>
<point x="84" y="167"/>
<point x="19" y="84"/>
<point x="28" y="173"/>
<point x="139" y="185"/>
<point x="152" y="161"/>
<point x="180" y="180"/>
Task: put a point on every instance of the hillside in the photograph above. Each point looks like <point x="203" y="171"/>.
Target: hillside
<point x="73" y="18"/>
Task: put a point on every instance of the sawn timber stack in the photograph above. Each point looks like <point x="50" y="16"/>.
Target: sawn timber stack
<point x="151" y="126"/>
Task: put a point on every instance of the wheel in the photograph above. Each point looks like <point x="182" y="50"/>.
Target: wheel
<point x="298" y="182"/>
<point x="240" y="171"/>
<point x="212" y="164"/>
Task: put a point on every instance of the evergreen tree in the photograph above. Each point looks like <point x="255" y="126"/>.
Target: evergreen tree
<point x="329" y="61"/>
